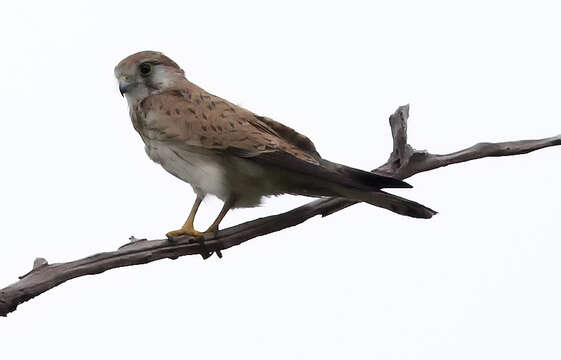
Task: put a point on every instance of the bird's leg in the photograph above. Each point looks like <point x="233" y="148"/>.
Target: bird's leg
<point x="188" y="228"/>
<point x="227" y="206"/>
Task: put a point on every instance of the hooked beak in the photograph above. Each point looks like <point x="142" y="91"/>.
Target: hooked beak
<point x="124" y="84"/>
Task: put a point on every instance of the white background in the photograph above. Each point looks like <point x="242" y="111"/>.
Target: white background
<point x="478" y="281"/>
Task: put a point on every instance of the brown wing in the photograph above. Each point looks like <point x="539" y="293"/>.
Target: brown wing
<point x="193" y="117"/>
<point x="288" y="134"/>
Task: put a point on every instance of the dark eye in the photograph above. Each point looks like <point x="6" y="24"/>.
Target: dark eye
<point x="145" y="69"/>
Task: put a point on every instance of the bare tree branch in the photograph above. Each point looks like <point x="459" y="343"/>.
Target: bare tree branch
<point x="404" y="162"/>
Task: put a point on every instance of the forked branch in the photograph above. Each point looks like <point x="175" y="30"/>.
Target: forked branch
<point x="404" y="162"/>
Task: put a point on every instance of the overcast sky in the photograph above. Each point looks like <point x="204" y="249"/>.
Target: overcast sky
<point x="478" y="281"/>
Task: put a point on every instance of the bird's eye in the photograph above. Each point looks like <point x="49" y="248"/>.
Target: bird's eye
<point x="145" y="69"/>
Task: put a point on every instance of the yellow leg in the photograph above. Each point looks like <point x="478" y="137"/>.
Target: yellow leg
<point x="188" y="228"/>
<point x="227" y="206"/>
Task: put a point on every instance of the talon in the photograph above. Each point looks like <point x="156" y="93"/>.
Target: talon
<point x="183" y="231"/>
<point x="205" y="253"/>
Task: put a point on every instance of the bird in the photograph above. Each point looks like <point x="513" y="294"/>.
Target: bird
<point x="225" y="150"/>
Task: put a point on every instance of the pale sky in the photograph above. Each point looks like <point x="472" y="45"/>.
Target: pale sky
<point x="478" y="281"/>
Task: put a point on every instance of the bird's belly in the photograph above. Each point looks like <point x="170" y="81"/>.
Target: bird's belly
<point x="209" y="173"/>
<point x="202" y="171"/>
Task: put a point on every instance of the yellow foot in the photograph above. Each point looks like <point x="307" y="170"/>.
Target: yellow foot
<point x="183" y="231"/>
<point x="211" y="229"/>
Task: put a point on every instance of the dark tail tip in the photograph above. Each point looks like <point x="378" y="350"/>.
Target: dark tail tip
<point x="380" y="181"/>
<point x="396" y="183"/>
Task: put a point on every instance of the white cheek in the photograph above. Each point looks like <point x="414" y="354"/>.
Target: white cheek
<point x="136" y="94"/>
<point x="163" y="77"/>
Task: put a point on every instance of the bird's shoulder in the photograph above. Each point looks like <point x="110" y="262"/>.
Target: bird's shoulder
<point x="195" y="117"/>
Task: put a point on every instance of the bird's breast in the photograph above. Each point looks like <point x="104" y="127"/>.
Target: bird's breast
<point x="203" y="171"/>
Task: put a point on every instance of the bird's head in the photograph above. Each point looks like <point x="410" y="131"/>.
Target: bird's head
<point x="146" y="73"/>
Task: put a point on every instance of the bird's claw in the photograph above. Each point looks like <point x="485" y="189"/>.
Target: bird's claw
<point x="205" y="252"/>
<point x="198" y="237"/>
<point x="182" y="232"/>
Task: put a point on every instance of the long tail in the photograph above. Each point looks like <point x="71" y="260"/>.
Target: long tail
<point x="390" y="202"/>
<point x="331" y="179"/>
<point x="367" y="188"/>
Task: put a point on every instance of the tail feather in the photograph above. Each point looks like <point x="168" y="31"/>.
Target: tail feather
<point x="392" y="202"/>
<point x="297" y="176"/>
<point x="363" y="178"/>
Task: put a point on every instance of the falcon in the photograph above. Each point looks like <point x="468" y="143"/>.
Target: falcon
<point x="225" y="150"/>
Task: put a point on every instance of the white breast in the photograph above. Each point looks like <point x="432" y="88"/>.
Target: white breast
<point x="202" y="171"/>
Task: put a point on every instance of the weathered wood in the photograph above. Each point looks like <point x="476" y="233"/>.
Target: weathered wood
<point x="404" y="162"/>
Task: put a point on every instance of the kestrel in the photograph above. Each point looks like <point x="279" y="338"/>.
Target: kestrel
<point x="227" y="151"/>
